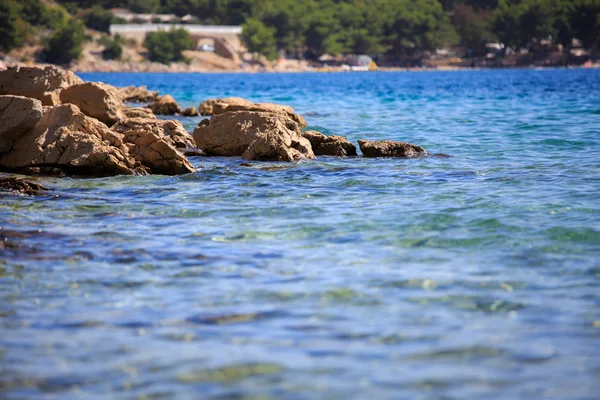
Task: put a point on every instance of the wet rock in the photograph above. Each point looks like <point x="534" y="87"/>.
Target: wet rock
<point x="270" y="108"/>
<point x="218" y="106"/>
<point x="389" y="148"/>
<point x="190" y="112"/>
<point x="138" y="112"/>
<point x="165" y="105"/>
<point x="17" y="115"/>
<point x="14" y="185"/>
<point x="192" y="152"/>
<point x="135" y="94"/>
<point x="154" y="143"/>
<point x="44" y="84"/>
<point x="95" y="99"/>
<point x="254" y="136"/>
<point x="66" y="139"/>
<point x="323" y="145"/>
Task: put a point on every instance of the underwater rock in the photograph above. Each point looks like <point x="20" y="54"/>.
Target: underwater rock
<point x="14" y="185"/>
<point x="323" y="145"/>
<point x="389" y="148"/>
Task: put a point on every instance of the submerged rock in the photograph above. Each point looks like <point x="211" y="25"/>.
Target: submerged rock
<point x="135" y="94"/>
<point x="20" y="186"/>
<point x="95" y="99"/>
<point x="44" y="84"/>
<point x="66" y="139"/>
<point x="329" y="145"/>
<point x="17" y="115"/>
<point x="389" y="148"/>
<point x="254" y="136"/>
<point x="165" y="105"/>
<point x="154" y="143"/>
<point x="218" y="106"/>
<point x="190" y="112"/>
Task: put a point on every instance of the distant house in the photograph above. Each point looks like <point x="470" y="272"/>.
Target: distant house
<point x="129" y="16"/>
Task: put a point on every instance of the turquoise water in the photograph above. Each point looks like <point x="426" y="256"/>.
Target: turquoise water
<point x="476" y="276"/>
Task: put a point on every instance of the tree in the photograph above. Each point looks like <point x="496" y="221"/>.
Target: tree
<point x="259" y="38"/>
<point x="473" y="27"/>
<point x="99" y="19"/>
<point x="585" y="22"/>
<point x="113" y="48"/>
<point x="165" y="47"/>
<point x="12" y="27"/>
<point x="65" y="45"/>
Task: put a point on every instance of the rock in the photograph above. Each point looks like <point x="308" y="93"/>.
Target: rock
<point x="20" y="186"/>
<point x="329" y="145"/>
<point x="218" y="106"/>
<point x="165" y="105"/>
<point x="190" y="112"/>
<point x="270" y="108"/>
<point x="95" y="99"/>
<point x="389" y="148"/>
<point x="43" y="84"/>
<point x="136" y="94"/>
<point x="252" y="135"/>
<point x="171" y="130"/>
<point x="138" y="112"/>
<point x="66" y="139"/>
<point x="17" y="115"/>
<point x="151" y="143"/>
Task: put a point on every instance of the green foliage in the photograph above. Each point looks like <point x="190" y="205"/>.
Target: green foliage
<point x="55" y="17"/>
<point x="113" y="48"/>
<point x="259" y="38"/>
<point x="12" y="29"/>
<point x="166" y="47"/>
<point x="65" y="44"/>
<point x="99" y="19"/>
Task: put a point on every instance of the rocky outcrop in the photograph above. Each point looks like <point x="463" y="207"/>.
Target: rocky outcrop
<point x="135" y="94"/>
<point x="218" y="106"/>
<point x="389" y="148"/>
<point x="165" y="105"/>
<point x="44" y="84"/>
<point x="13" y="185"/>
<point x="138" y="112"/>
<point x="323" y="145"/>
<point x="95" y="99"/>
<point x="66" y="139"/>
<point x="254" y="136"/>
<point x="270" y="108"/>
<point x="153" y="143"/>
<point x="17" y="115"/>
<point x="190" y="112"/>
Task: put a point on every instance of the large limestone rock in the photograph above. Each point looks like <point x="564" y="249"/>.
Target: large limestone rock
<point x="138" y="112"/>
<point x="165" y="105"/>
<point x="190" y="112"/>
<point x="44" y="84"/>
<point x="389" y="148"/>
<point x="17" y="115"/>
<point x="135" y="94"/>
<point x="152" y="142"/>
<point x="66" y="139"/>
<point x="254" y="136"/>
<point x="329" y="145"/>
<point x="270" y="108"/>
<point x="95" y="99"/>
<point x="218" y="106"/>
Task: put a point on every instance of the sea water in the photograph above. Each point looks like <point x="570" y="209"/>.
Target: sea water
<point x="474" y="276"/>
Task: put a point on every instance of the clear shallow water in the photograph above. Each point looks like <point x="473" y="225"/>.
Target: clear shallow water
<point x="473" y="276"/>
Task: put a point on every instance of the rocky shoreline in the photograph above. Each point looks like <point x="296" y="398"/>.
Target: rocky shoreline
<point x="53" y="123"/>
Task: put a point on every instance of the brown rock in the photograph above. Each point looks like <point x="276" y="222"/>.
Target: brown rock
<point x="66" y="139"/>
<point x="152" y="143"/>
<point x="218" y="106"/>
<point x="43" y="84"/>
<point x="17" y="115"/>
<point x="20" y="186"/>
<point x="136" y="94"/>
<point x="171" y="130"/>
<point x="190" y="112"/>
<point x="389" y="148"/>
<point x="95" y="99"/>
<point x="165" y="105"/>
<point x="252" y="135"/>
<point x="270" y="108"/>
<point x="138" y="112"/>
<point x="329" y="145"/>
